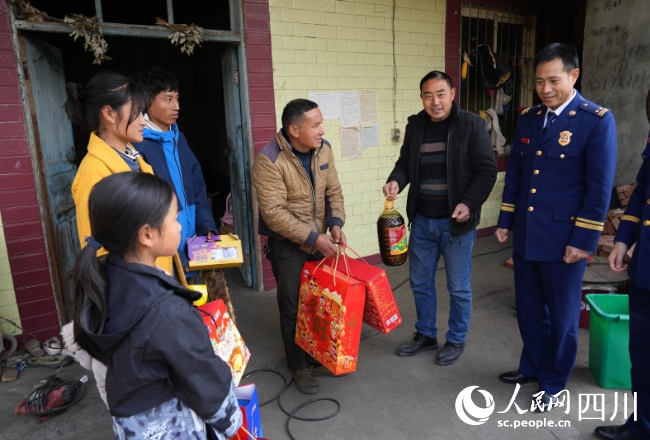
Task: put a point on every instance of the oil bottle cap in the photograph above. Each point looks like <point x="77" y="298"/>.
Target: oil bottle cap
<point x="388" y="204"/>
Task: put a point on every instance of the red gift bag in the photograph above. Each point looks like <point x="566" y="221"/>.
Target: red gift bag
<point x="330" y="311"/>
<point x="380" y="310"/>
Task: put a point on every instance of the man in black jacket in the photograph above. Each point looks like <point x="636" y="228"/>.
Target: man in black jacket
<point x="447" y="158"/>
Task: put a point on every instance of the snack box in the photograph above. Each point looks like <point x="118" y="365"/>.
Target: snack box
<point x="204" y="261"/>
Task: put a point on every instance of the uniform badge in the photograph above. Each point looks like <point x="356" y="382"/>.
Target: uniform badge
<point x="525" y="140"/>
<point x="565" y="138"/>
<point x="572" y="113"/>
<point x="539" y="112"/>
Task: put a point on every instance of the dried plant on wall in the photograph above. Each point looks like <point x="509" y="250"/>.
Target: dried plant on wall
<point x="184" y="35"/>
<point x="91" y="31"/>
<point x="23" y="10"/>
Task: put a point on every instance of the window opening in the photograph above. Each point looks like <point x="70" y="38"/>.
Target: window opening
<point x="499" y="83"/>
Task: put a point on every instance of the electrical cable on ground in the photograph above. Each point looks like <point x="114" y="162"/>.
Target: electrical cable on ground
<point x="292" y="414"/>
<point x="285" y="385"/>
<point x="51" y="398"/>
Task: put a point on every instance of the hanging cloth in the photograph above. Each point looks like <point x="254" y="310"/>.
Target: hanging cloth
<point x="491" y="69"/>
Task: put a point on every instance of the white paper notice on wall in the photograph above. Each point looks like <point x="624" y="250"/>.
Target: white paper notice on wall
<point x="349" y="109"/>
<point x="368" y="113"/>
<point x="350" y="142"/>
<point x="369" y="137"/>
<point x="329" y="103"/>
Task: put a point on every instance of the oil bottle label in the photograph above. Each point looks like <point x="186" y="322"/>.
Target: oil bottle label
<point x="397" y="240"/>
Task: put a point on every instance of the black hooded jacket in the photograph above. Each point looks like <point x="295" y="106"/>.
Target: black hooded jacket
<point x="157" y="344"/>
<point x="471" y="167"/>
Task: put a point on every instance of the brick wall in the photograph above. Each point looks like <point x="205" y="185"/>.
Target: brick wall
<point x="257" y="31"/>
<point x="333" y="45"/>
<point x="21" y="220"/>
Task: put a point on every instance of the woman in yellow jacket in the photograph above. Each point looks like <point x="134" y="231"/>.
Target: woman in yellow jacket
<point x="110" y="107"/>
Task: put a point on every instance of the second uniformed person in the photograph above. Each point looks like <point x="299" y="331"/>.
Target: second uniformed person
<point x="635" y="228"/>
<point x="556" y="195"/>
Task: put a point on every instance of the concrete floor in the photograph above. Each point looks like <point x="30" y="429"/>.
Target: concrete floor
<point x="388" y="397"/>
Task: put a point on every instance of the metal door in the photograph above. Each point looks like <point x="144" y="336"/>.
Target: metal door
<point x="53" y="140"/>
<point x="239" y="164"/>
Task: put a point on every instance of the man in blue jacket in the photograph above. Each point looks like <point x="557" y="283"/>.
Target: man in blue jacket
<point x="556" y="195"/>
<point x="165" y="148"/>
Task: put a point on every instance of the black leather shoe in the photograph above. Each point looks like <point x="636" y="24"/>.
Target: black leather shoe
<point x="513" y="377"/>
<point x="419" y="344"/>
<point x="450" y="353"/>
<point x="615" y="432"/>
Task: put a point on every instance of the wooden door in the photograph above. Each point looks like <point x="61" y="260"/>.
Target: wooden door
<point x="240" y="183"/>
<point x="54" y="144"/>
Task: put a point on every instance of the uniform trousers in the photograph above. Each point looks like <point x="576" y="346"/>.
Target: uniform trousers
<point x="640" y="357"/>
<point x="548" y="296"/>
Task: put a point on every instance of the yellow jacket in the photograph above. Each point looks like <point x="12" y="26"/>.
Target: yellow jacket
<point x="101" y="161"/>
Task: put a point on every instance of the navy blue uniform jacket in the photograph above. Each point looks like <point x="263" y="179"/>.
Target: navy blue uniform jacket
<point x="635" y="224"/>
<point x="558" y="184"/>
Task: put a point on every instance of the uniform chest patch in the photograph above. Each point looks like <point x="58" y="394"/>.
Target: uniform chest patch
<point x="565" y="138"/>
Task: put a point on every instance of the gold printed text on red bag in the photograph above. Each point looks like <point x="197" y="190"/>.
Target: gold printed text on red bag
<point x="329" y="310"/>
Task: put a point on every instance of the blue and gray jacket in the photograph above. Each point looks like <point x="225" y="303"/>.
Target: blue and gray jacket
<point x="177" y="165"/>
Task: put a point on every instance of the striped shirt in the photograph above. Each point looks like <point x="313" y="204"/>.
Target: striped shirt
<point x="433" y="196"/>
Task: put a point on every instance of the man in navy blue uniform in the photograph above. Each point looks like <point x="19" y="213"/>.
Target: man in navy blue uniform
<point x="556" y="195"/>
<point x="635" y="227"/>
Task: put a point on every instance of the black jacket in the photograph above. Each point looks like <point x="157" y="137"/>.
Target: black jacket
<point x="158" y="345"/>
<point x="471" y="168"/>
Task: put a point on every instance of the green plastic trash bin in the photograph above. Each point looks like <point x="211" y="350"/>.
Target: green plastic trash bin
<point x="609" y="339"/>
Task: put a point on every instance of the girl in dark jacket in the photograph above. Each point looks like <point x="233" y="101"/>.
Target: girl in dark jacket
<point x="163" y="375"/>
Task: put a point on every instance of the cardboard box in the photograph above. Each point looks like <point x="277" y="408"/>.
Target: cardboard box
<point x="226" y="241"/>
<point x="380" y="310"/>
<point x="199" y="247"/>
<point x="330" y="311"/>
<point x="249" y="405"/>
<point x="226" y="340"/>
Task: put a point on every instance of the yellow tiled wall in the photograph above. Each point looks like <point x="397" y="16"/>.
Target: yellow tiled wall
<point x="8" y="306"/>
<point x="336" y="46"/>
<point x="491" y="208"/>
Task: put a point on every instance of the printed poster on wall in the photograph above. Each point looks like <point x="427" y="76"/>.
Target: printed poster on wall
<point x="349" y="109"/>
<point x="350" y="142"/>
<point x="369" y="137"/>
<point x="368" y="109"/>
<point x="329" y="103"/>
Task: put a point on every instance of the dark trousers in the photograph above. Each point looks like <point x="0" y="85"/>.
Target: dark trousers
<point x="548" y="296"/>
<point x="640" y="357"/>
<point x="286" y="262"/>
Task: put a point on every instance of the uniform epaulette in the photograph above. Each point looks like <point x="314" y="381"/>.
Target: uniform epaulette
<point x="593" y="109"/>
<point x="529" y="110"/>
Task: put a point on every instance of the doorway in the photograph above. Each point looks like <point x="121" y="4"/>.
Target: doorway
<point x="210" y="118"/>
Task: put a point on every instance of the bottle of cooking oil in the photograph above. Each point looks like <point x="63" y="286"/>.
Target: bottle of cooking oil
<point x="391" y="231"/>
